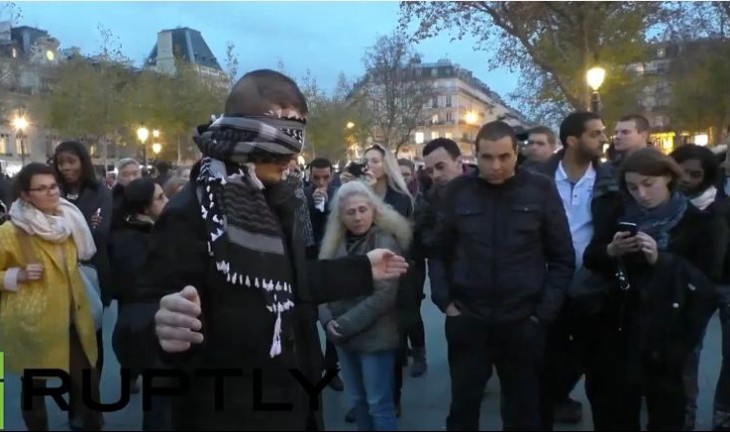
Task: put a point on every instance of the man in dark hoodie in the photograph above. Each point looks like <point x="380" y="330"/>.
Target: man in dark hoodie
<point x="228" y="260"/>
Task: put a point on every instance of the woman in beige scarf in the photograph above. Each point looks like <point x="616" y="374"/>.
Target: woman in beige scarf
<point x="45" y="317"/>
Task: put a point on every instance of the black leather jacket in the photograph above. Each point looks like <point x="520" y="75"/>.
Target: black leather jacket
<point x="505" y="251"/>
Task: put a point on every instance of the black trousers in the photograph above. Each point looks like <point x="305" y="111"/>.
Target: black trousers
<point x="330" y="356"/>
<point x="563" y="367"/>
<point x="414" y="330"/>
<point x="516" y="349"/>
<point x="613" y="389"/>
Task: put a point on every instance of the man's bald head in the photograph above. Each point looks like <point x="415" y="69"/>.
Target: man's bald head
<point x="261" y="91"/>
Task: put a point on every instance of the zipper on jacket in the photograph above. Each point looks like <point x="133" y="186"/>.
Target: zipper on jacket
<point x="495" y="230"/>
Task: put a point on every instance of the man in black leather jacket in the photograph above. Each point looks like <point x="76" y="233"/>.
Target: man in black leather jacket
<point x="506" y="258"/>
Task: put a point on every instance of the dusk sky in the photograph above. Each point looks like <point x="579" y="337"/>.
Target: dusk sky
<point x="325" y="37"/>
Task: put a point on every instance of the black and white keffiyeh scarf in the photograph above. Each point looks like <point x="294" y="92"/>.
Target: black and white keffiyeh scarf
<point x="245" y="238"/>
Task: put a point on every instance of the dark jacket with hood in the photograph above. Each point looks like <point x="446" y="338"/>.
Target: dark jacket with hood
<point x="237" y="328"/>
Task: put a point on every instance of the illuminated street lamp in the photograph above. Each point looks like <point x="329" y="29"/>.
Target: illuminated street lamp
<point x="21" y="123"/>
<point x="142" y="134"/>
<point x="156" y="148"/>
<point x="350" y="125"/>
<point x="471" y="118"/>
<point x="595" y="77"/>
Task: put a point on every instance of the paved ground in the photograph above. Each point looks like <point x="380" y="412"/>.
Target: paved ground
<point x="425" y="399"/>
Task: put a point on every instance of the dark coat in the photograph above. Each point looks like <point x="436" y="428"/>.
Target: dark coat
<point x="506" y="250"/>
<point x="89" y="201"/>
<point x="133" y="343"/>
<point x="237" y="327"/>
<point x="662" y="317"/>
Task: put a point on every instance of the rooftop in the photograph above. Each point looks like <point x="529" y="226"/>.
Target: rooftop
<point x="189" y="45"/>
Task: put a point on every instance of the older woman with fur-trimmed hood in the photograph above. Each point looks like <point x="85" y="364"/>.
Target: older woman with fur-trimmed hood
<point x="365" y="329"/>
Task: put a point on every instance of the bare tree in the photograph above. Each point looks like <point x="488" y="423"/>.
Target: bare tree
<point x="231" y="62"/>
<point x="395" y="91"/>
<point x="553" y="44"/>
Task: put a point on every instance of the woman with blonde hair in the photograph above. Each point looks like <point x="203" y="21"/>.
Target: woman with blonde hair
<point x="46" y="320"/>
<point x="383" y="172"/>
<point x="365" y="330"/>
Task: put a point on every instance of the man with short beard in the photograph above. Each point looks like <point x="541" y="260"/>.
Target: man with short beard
<point x="584" y="185"/>
<point x="228" y="261"/>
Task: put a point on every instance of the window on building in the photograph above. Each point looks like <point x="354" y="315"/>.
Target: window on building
<point x="435" y="119"/>
<point x="449" y="135"/>
<point x="4" y="147"/>
<point x="435" y="102"/>
<point x="449" y="116"/>
<point x="448" y="101"/>
<point x="465" y="136"/>
<point x="434" y="135"/>
<point x="19" y="144"/>
<point x="420" y="137"/>
<point x="434" y="72"/>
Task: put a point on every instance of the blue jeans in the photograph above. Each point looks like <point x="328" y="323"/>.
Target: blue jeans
<point x="369" y="383"/>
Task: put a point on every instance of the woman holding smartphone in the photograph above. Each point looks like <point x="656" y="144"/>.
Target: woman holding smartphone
<point x="658" y="252"/>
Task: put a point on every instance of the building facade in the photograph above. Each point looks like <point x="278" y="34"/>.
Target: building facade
<point x="457" y="105"/>
<point x="461" y="104"/>
<point x="188" y="45"/>
<point x="27" y="56"/>
<point x="660" y="73"/>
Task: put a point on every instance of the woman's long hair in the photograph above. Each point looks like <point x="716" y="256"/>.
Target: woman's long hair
<point x="392" y="171"/>
<point x="386" y="218"/>
<point x="88" y="175"/>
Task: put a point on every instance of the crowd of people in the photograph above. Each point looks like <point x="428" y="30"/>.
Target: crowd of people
<point x="549" y="266"/>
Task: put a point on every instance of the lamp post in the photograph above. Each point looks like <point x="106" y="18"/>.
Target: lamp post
<point x="156" y="149"/>
<point x="471" y="118"/>
<point x="21" y="123"/>
<point x="142" y="134"/>
<point x="594" y="78"/>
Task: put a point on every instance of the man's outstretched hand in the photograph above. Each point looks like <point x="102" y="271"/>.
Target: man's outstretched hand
<point x="177" y="323"/>
<point x="386" y="264"/>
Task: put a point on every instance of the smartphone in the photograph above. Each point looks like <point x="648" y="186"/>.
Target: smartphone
<point x="357" y="169"/>
<point x="629" y="227"/>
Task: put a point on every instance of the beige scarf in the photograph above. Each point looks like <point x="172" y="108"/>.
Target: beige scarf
<point x="68" y="221"/>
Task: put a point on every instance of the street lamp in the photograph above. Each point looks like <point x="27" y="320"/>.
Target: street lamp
<point x="143" y="133"/>
<point x="350" y="125"/>
<point x="594" y="78"/>
<point x="156" y="148"/>
<point x="471" y="118"/>
<point x="21" y="123"/>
